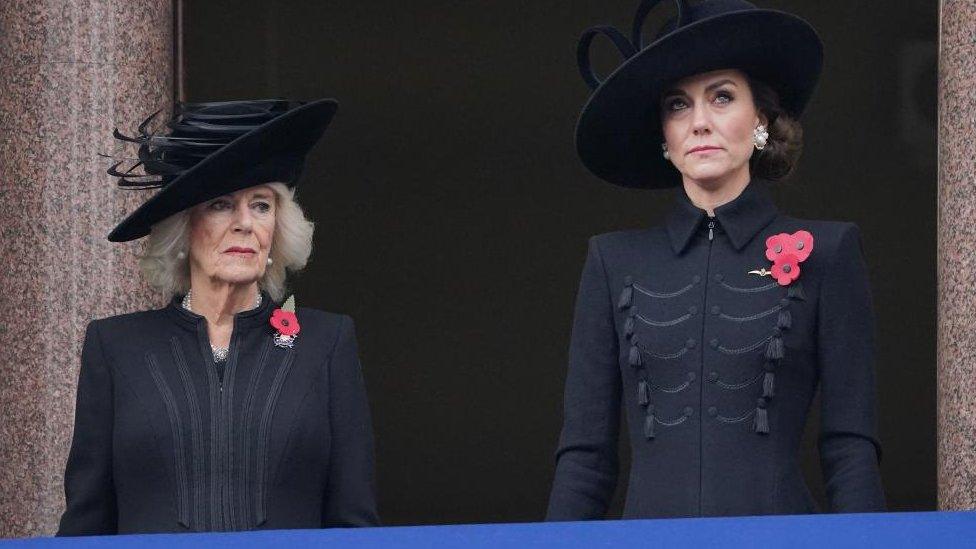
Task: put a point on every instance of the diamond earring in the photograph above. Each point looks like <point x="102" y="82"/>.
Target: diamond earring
<point x="181" y="255"/>
<point x="664" y="151"/>
<point x="759" y="137"/>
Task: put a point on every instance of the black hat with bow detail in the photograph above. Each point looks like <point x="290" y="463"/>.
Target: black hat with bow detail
<point x="618" y="136"/>
<point x="217" y="148"/>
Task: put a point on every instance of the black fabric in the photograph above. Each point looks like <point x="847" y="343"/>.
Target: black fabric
<point x="715" y="370"/>
<point x="618" y="135"/>
<point x="161" y="444"/>
<point x="271" y="151"/>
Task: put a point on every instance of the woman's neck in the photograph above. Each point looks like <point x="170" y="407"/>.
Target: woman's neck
<point x="710" y="194"/>
<point x="218" y="302"/>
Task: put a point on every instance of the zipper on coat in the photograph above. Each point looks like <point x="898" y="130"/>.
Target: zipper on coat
<point x="220" y="414"/>
<point x="224" y="438"/>
<point x="701" y="373"/>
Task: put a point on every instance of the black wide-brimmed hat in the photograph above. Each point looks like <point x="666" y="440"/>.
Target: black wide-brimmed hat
<point x="618" y="136"/>
<point x="216" y="148"/>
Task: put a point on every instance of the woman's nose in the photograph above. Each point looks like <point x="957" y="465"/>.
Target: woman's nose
<point x="701" y="121"/>
<point x="242" y="219"/>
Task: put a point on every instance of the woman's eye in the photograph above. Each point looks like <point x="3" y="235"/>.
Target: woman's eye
<point x="723" y="97"/>
<point x="676" y="104"/>
<point x="262" y="207"/>
<point x="219" y="205"/>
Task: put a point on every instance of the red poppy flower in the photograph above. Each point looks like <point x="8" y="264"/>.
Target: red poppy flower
<point x="786" y="269"/>
<point x="285" y="322"/>
<point x="799" y="244"/>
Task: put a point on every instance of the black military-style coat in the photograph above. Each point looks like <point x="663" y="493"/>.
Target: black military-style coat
<point x="165" y="441"/>
<point x="715" y="369"/>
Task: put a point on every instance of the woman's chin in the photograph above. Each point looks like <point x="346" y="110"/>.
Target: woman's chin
<point x="705" y="173"/>
<point x="238" y="276"/>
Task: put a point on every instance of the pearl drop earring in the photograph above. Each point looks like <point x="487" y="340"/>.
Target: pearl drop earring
<point x="270" y="261"/>
<point x="181" y="255"/>
<point x="664" y="151"/>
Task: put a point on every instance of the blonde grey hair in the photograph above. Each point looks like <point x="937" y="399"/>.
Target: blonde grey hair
<point x="165" y="262"/>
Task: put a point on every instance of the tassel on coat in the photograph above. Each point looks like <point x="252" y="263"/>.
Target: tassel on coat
<point x="774" y="350"/>
<point x="649" y="423"/>
<point x="785" y="320"/>
<point x="643" y="393"/>
<point x="635" y="357"/>
<point x="761" y="423"/>
<point x="627" y="294"/>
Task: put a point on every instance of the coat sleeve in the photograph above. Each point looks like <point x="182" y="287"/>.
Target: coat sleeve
<point x="350" y="494"/>
<point x="586" y="460"/>
<point x="88" y="482"/>
<point x="849" y="447"/>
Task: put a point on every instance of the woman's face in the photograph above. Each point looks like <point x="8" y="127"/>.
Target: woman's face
<point x="230" y="236"/>
<point x="708" y="120"/>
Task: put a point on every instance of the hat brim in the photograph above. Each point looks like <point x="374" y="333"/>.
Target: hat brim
<point x="618" y="135"/>
<point x="278" y="146"/>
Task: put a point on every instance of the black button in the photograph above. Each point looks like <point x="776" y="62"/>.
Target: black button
<point x="690" y="344"/>
<point x="718" y="278"/>
<point x="784" y="302"/>
<point x="693" y="310"/>
<point x="713" y="343"/>
<point x="713" y="376"/>
<point x="696" y="279"/>
<point x="691" y="376"/>
<point x="716" y="310"/>
<point x="712" y="411"/>
<point x="689" y="411"/>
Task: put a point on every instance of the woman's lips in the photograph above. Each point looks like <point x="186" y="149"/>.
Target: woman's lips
<point x="704" y="149"/>
<point x="239" y="250"/>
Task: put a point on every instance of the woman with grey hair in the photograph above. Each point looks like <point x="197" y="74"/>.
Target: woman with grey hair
<point x="225" y="410"/>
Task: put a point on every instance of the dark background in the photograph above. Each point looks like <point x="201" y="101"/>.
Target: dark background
<point x="449" y="191"/>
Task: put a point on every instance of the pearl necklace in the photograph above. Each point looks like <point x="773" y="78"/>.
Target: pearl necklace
<point x="219" y="353"/>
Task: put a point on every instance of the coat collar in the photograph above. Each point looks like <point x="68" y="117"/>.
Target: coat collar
<point x="741" y="218"/>
<point x="244" y="319"/>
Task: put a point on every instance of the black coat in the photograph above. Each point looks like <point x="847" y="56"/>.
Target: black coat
<point x="716" y="368"/>
<point x="165" y="441"/>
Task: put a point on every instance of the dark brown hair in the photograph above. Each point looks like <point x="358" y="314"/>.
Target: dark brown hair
<point x="778" y="159"/>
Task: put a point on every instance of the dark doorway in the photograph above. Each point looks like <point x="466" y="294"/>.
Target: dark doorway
<point x="449" y="185"/>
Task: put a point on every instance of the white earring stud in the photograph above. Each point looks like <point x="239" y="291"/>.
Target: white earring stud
<point x="664" y="151"/>
<point x="759" y="137"/>
<point x="270" y="261"/>
<point x="181" y="255"/>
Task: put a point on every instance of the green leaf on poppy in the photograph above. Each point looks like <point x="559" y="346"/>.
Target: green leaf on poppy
<point x="289" y="304"/>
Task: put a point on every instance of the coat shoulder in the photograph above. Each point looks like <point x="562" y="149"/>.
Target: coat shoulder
<point x="324" y="326"/>
<point x="831" y="238"/>
<point x="135" y="322"/>
<point x="322" y="320"/>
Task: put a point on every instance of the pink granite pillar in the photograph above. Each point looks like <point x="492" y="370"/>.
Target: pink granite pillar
<point x="957" y="256"/>
<point x="70" y="70"/>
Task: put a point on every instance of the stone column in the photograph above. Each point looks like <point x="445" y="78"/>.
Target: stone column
<point x="957" y="255"/>
<point x="70" y="71"/>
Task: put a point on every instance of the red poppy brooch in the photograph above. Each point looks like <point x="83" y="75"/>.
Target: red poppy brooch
<point x="786" y="251"/>
<point x="285" y="323"/>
